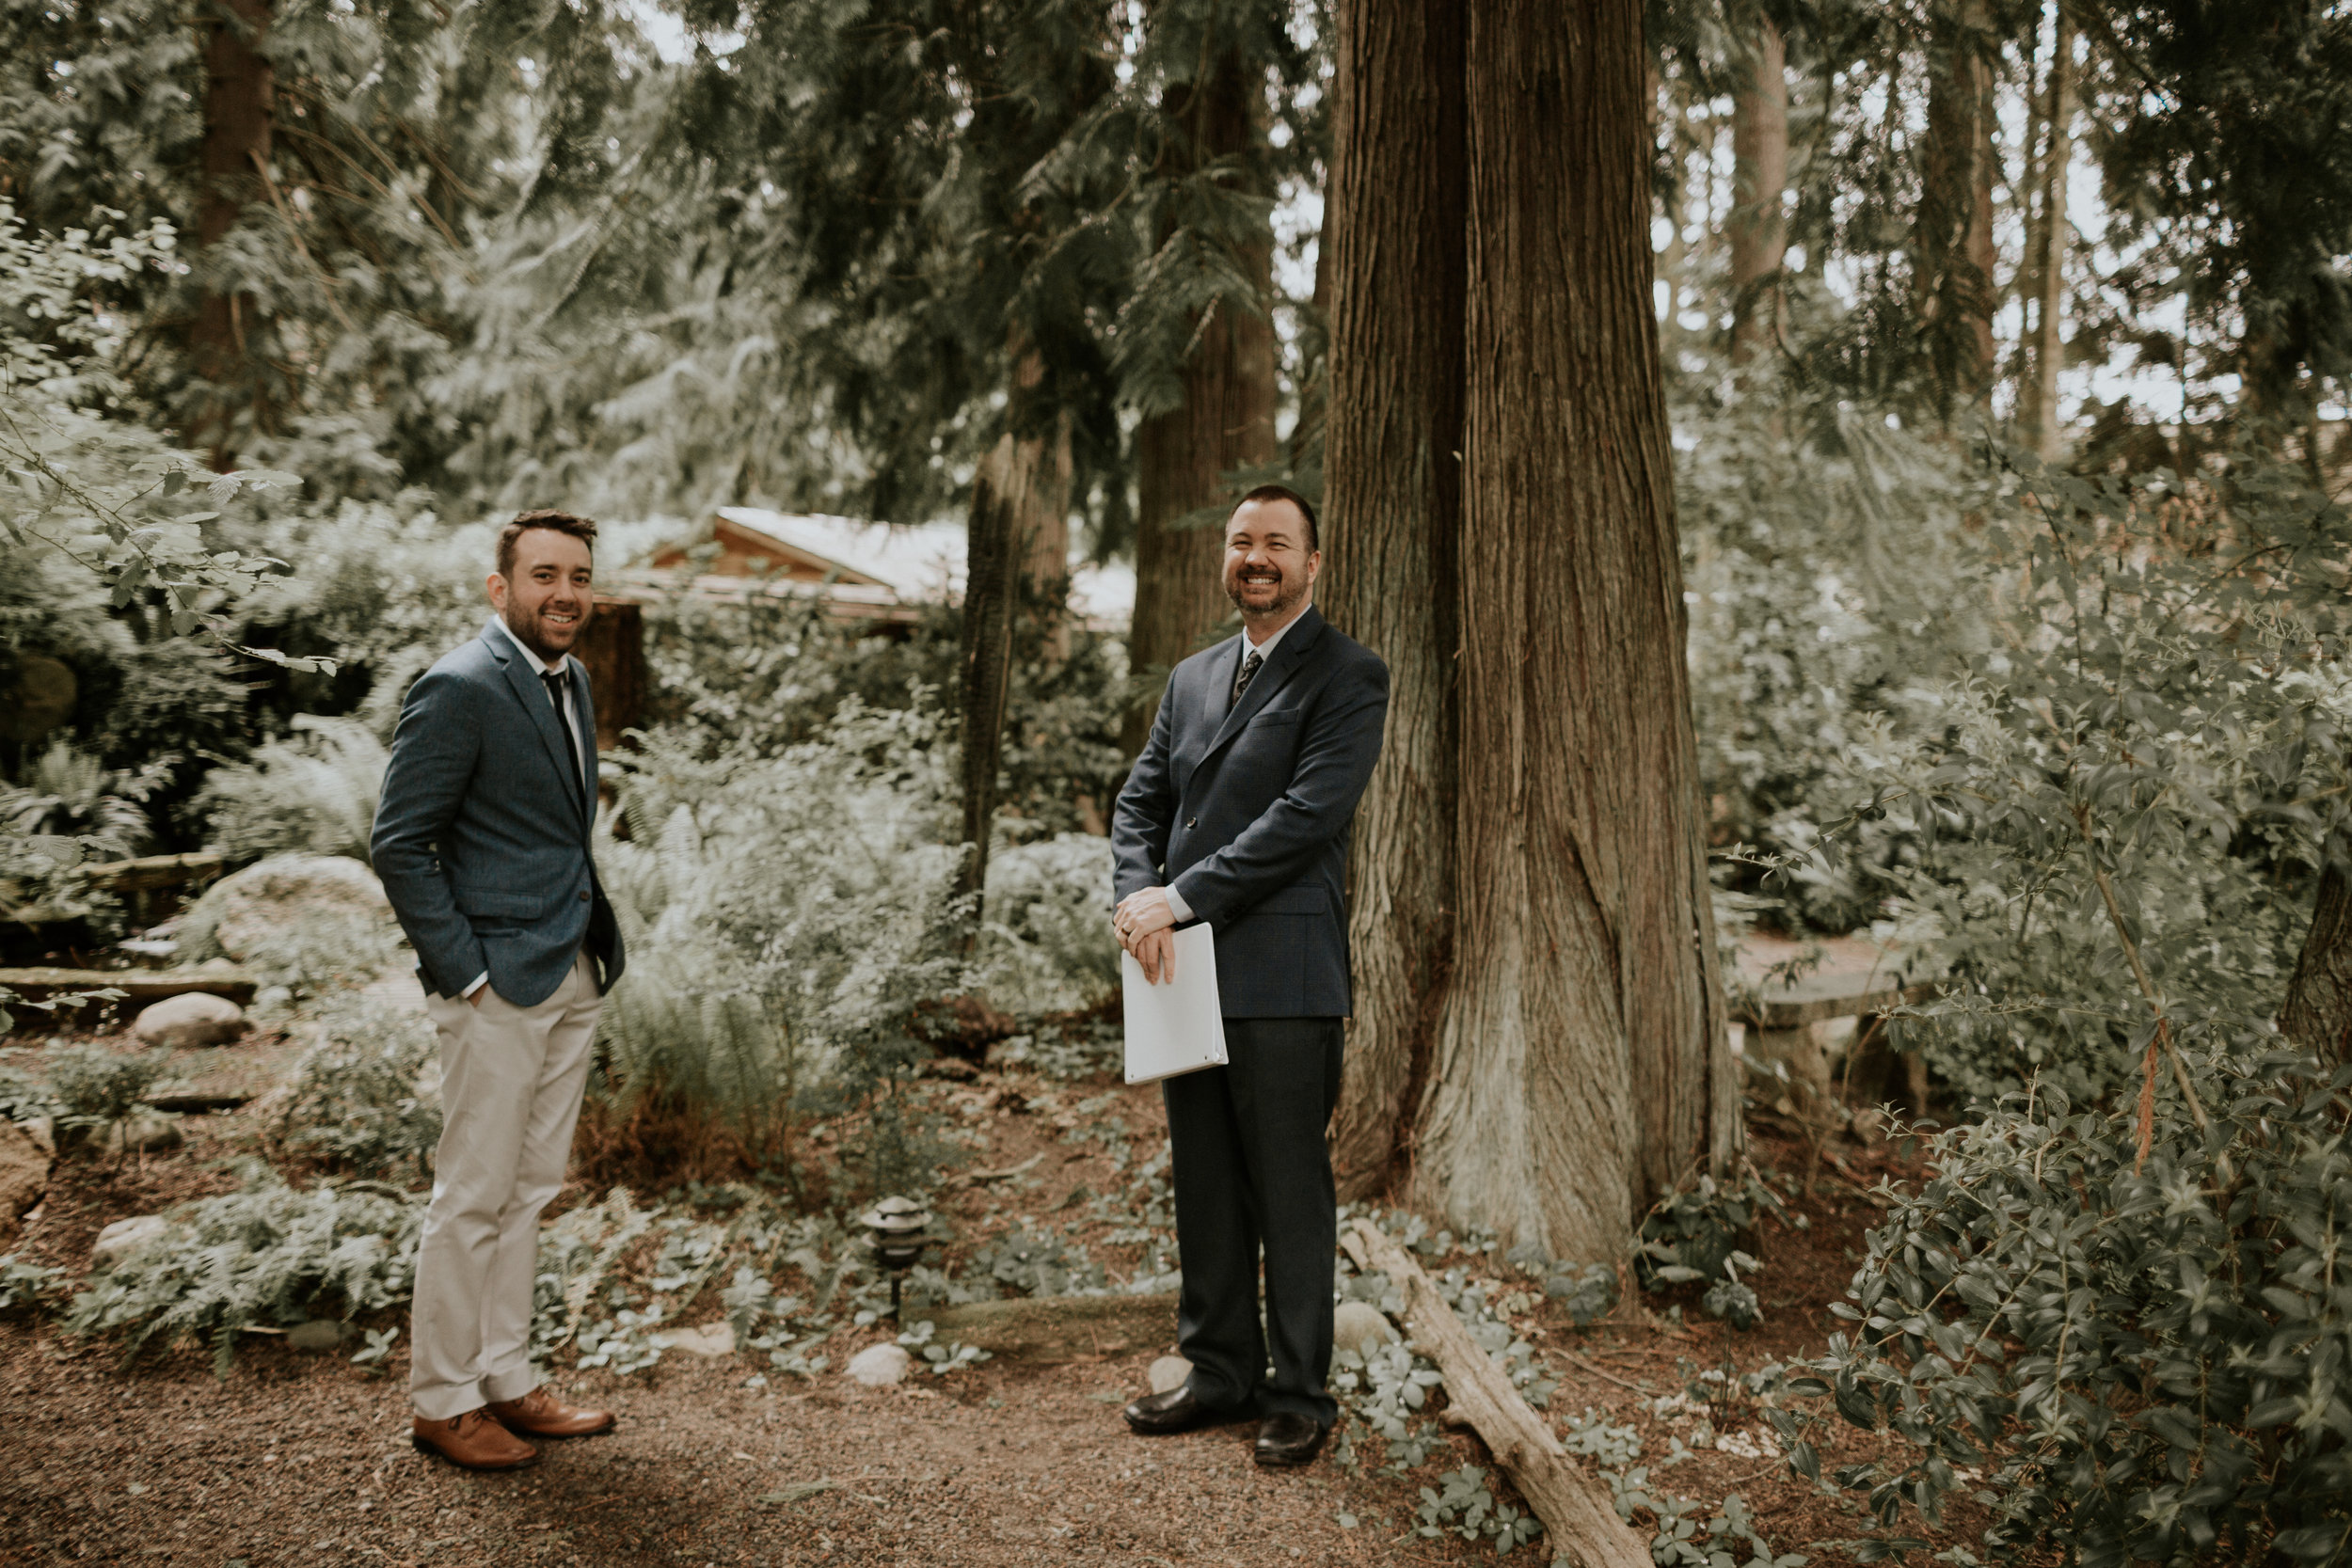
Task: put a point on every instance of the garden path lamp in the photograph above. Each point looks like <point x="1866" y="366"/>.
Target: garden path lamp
<point x="898" y="1229"/>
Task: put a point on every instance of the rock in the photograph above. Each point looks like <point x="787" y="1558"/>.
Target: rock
<point x="125" y="1237"/>
<point x="254" y="911"/>
<point x="955" y="1069"/>
<point x="1359" y="1326"/>
<point x="1168" y="1372"/>
<point x="140" y="1132"/>
<point x="710" y="1340"/>
<point x="23" y="1175"/>
<point x="43" y="1131"/>
<point x="191" y="1020"/>
<point x="319" y="1333"/>
<point x="879" y="1366"/>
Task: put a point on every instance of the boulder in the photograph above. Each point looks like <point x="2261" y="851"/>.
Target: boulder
<point x="1359" y="1326"/>
<point x="190" y="1021"/>
<point x="23" y="1177"/>
<point x="879" y="1366"/>
<point x="253" y="911"/>
<point x="1169" y="1373"/>
<point x="318" y="1334"/>
<point x="125" y="1237"/>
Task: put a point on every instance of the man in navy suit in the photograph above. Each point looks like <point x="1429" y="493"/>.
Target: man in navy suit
<point x="1237" y="814"/>
<point x="481" y="840"/>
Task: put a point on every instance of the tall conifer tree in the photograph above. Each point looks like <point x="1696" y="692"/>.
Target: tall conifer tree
<point x="1546" y="999"/>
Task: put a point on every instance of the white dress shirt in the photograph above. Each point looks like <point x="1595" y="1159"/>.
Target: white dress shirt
<point x="571" y="727"/>
<point x="1176" y="905"/>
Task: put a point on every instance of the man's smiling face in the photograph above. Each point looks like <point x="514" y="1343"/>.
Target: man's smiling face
<point x="550" y="596"/>
<point x="1268" y="565"/>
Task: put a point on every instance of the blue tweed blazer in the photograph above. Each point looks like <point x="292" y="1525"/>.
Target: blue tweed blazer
<point x="482" y="836"/>
<point x="1243" y="809"/>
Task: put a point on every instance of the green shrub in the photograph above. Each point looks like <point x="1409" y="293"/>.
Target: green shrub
<point x="1046" y="943"/>
<point x="95" y="1087"/>
<point x="270" y="1255"/>
<point x="786" y="915"/>
<point x="2112" y="1312"/>
<point x="313" y="794"/>
<point x="366" y="1095"/>
<point x="2129" y="1363"/>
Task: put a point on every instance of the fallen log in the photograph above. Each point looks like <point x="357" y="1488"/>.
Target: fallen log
<point x="137" y="985"/>
<point x="1581" y="1523"/>
<point x="1055" y="1328"/>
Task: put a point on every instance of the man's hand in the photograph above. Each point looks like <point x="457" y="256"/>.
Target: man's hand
<point x="476" y="1000"/>
<point x="1141" y="913"/>
<point x="1156" y="952"/>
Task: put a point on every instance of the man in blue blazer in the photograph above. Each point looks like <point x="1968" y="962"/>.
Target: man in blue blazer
<point x="1237" y="814"/>
<point x="482" y="839"/>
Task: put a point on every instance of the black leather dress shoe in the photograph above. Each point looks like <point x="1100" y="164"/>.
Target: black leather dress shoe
<point x="1178" y="1410"/>
<point x="1287" y="1440"/>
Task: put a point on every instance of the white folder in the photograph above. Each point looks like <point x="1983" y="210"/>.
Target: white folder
<point x="1175" y="1026"/>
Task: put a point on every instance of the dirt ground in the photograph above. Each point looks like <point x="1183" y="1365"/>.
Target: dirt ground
<point x="297" y="1459"/>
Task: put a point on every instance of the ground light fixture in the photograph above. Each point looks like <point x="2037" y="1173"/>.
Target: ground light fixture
<point x="898" y="1230"/>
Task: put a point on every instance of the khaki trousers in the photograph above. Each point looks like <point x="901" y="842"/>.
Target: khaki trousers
<point x="511" y="1084"/>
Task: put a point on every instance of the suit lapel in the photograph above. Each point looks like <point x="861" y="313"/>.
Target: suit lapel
<point x="1288" y="656"/>
<point x="533" y="696"/>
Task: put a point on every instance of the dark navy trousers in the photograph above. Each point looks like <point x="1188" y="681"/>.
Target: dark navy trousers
<point x="1252" y="1172"/>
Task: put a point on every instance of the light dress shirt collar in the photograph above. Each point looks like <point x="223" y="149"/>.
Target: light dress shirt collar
<point x="1250" y="645"/>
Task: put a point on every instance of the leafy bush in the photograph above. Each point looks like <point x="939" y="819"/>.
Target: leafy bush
<point x="366" y="1095"/>
<point x="2112" y="1304"/>
<point x="24" y="1095"/>
<point x="785" y="916"/>
<point x="271" y="1255"/>
<point x="2133" y="1361"/>
<point x="96" y="1087"/>
<point x="1046" y="943"/>
<point x="313" y="794"/>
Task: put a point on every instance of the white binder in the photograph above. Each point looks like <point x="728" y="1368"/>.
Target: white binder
<point x="1175" y="1026"/>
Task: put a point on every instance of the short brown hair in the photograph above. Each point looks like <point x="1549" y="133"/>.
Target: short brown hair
<point x="1283" y="492"/>
<point x="581" y="528"/>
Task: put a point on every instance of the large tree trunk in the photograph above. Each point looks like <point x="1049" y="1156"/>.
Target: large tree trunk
<point x="1581" y="1062"/>
<point x="1226" y="421"/>
<point x="2318" y="1011"/>
<point x="1954" y="255"/>
<point x="1021" y="493"/>
<point x="1392" y="517"/>
<point x="1759" y="163"/>
<point x="2046" y="254"/>
<point x="239" y="87"/>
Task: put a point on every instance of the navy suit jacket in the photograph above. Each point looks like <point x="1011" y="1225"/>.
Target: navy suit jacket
<point x="1243" y="809"/>
<point x="482" y="836"/>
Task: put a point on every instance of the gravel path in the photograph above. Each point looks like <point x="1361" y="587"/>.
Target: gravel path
<point x="302" y="1460"/>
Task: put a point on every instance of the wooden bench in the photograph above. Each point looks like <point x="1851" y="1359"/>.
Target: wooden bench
<point x="1788" y="1022"/>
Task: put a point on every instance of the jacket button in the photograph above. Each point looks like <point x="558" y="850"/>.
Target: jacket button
<point x="584" y="897"/>
<point x="1192" y="822"/>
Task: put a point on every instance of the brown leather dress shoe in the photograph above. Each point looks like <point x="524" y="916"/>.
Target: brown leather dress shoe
<point x="474" y="1441"/>
<point x="540" y="1414"/>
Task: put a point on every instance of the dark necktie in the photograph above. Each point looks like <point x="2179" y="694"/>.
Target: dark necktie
<point x="559" y="693"/>
<point x="1248" y="672"/>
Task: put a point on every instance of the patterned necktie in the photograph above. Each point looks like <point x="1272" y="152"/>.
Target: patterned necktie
<point x="1248" y="672"/>
<point x="559" y="693"/>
